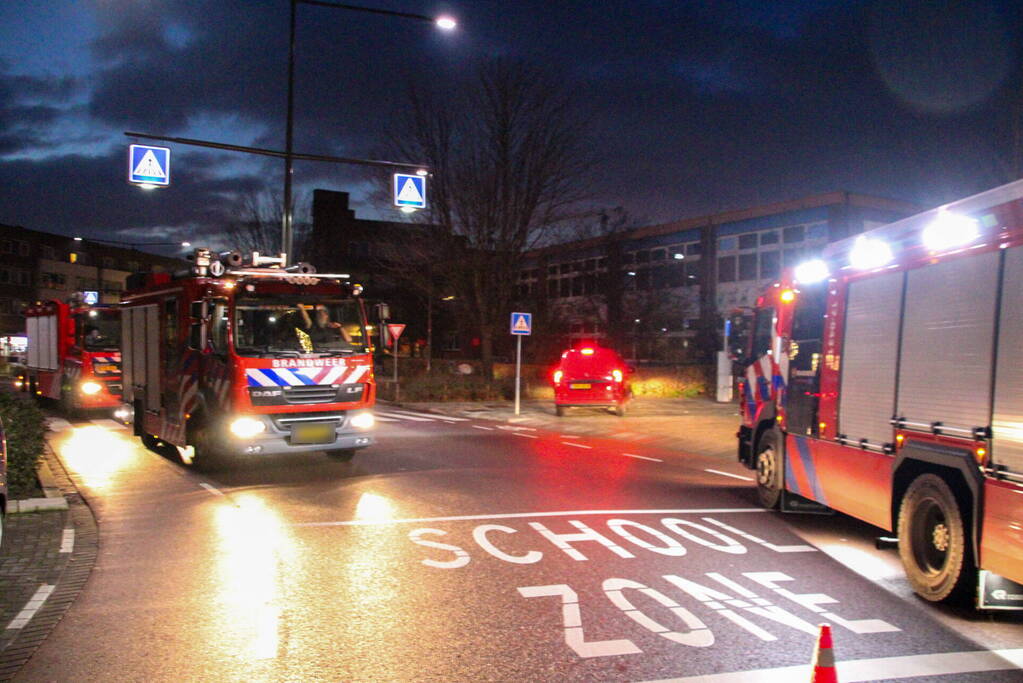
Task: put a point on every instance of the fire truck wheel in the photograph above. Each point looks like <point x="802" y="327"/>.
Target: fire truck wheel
<point x="769" y="466"/>
<point x="620" y="410"/>
<point x="932" y="541"/>
<point x="342" y="454"/>
<point x="150" y="442"/>
<point x="204" y="455"/>
<point x="559" y="411"/>
<point x="67" y="402"/>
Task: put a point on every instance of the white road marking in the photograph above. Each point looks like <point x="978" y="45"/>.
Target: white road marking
<point x="433" y="415"/>
<point x="882" y="668"/>
<point x="31" y="607"/>
<point x="727" y="474"/>
<point x="577" y="445"/>
<point x="211" y="488"/>
<point x="379" y="417"/>
<point x="412" y="418"/>
<point x="527" y="436"/>
<point x="528" y="429"/>
<point x="67" y="541"/>
<point x="489" y="429"/>
<point x="526" y="515"/>
<point x="57" y="424"/>
<point x="569" y="436"/>
<point x="641" y="457"/>
<point x="108" y="423"/>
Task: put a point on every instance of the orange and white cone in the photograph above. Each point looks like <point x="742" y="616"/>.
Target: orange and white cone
<point x="824" y="658"/>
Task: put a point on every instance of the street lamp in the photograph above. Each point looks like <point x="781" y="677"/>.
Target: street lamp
<point x="287" y="232"/>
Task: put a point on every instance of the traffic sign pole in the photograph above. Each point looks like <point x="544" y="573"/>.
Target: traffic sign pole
<point x="518" y="370"/>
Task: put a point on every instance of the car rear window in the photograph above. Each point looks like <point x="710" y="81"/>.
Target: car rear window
<point x="602" y="362"/>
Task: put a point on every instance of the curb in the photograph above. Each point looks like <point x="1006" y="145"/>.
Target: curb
<point x="54" y="499"/>
<point x="72" y="577"/>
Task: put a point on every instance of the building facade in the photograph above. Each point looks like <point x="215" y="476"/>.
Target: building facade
<point x="655" y="289"/>
<point x="37" y="265"/>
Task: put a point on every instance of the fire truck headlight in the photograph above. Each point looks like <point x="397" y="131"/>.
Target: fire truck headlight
<point x="245" y="427"/>
<point x="363" y="420"/>
<point x="91" y="388"/>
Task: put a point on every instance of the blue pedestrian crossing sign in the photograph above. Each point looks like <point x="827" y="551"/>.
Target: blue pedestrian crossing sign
<point x="409" y="191"/>
<point x="90" y="297"/>
<point x="521" y="323"/>
<point x="148" y="165"/>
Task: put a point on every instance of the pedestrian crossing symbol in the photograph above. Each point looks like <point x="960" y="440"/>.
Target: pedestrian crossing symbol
<point x="148" y="165"/>
<point x="521" y="323"/>
<point x="409" y="191"/>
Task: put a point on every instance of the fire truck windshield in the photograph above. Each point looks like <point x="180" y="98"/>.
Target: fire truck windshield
<point x="99" y="330"/>
<point x="289" y="325"/>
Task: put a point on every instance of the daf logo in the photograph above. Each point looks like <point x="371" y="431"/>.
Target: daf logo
<point x="268" y="393"/>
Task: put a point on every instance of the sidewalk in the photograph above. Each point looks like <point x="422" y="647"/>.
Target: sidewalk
<point x="691" y="425"/>
<point x="45" y="559"/>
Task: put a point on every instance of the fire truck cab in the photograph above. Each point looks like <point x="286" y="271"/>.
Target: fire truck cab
<point x="235" y="360"/>
<point x="73" y="354"/>
<point x="884" y="381"/>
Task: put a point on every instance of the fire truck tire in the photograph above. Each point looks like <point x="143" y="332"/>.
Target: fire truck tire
<point x="342" y="454"/>
<point x="205" y="456"/>
<point x="769" y="468"/>
<point x="150" y="442"/>
<point x="67" y="402"/>
<point x="620" y="410"/>
<point x="559" y="411"/>
<point x="933" y="541"/>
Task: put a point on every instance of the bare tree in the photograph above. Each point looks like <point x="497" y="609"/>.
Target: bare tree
<point x="508" y="158"/>
<point x="258" y="226"/>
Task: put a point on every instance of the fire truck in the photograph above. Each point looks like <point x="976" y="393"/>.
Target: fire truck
<point x="73" y="354"/>
<point x="885" y="381"/>
<point x="232" y="359"/>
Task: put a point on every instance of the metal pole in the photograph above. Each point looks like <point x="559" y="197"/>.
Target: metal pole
<point x="395" y="363"/>
<point x="286" y="233"/>
<point x="429" y="331"/>
<point x="518" y="370"/>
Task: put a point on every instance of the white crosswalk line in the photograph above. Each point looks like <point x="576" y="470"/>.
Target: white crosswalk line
<point x="108" y="423"/>
<point x="432" y="415"/>
<point x="57" y="424"/>
<point x="411" y="418"/>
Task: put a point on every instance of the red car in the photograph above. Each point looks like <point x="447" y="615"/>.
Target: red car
<point x="591" y="376"/>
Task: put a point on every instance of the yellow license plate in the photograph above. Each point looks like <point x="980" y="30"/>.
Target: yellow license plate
<point x="105" y="369"/>
<point x="313" y="432"/>
<point x="581" y="386"/>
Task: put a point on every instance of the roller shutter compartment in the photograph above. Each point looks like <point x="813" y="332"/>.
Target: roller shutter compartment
<point x="1007" y="447"/>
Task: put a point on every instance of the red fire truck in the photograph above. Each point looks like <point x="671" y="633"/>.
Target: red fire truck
<point x="884" y="381"/>
<point x="73" y="354"/>
<point x="233" y="359"/>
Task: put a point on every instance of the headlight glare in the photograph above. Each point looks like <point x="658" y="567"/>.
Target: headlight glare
<point x="91" y="388"/>
<point x="245" y="427"/>
<point x="363" y="420"/>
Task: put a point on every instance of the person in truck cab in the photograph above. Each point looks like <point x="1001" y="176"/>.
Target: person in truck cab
<point x="323" y="330"/>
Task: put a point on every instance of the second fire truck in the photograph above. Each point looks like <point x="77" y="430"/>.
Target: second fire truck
<point x="884" y="381"/>
<point x="249" y="360"/>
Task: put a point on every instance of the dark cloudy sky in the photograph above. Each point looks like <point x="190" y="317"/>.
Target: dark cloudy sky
<point x="694" y="106"/>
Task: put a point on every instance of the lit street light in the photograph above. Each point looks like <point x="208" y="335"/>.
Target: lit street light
<point x="287" y="232"/>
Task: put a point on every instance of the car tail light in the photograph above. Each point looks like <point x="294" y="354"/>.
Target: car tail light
<point x="617" y="374"/>
<point x="557" y="376"/>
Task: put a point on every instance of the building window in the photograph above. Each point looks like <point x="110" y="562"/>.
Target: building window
<point x="552" y="288"/>
<point x="727" y="244"/>
<point x="46" y="251"/>
<point x="817" y="231"/>
<point x="748" y="241"/>
<point x="107" y="261"/>
<point x="23" y="248"/>
<point x="657" y="255"/>
<point x="552" y="270"/>
<point x="694" y="249"/>
<point x="566" y="268"/>
<point x="747" y="266"/>
<point x="6" y="246"/>
<point x="770" y="237"/>
<point x="642" y="256"/>
<point x="770" y="264"/>
<point x="643" y="280"/>
<point x="677" y="276"/>
<point x="693" y="272"/>
<point x="794" y="234"/>
<point x="726" y="269"/>
<point x="566" y="287"/>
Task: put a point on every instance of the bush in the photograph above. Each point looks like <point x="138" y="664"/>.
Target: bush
<point x="23" y="422"/>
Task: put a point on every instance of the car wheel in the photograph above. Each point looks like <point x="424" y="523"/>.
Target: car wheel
<point x="770" y="457"/>
<point x="933" y="544"/>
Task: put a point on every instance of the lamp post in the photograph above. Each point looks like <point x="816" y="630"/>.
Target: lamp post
<point x="287" y="232"/>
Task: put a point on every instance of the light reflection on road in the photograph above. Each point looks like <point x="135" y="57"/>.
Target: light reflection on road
<point x="97" y="455"/>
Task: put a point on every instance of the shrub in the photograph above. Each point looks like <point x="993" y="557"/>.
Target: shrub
<point x="23" y="422"/>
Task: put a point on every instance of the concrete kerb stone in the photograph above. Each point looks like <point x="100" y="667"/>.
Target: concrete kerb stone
<point x="54" y="499"/>
<point x="68" y="572"/>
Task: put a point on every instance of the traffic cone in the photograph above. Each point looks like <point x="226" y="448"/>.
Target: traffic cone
<point x="824" y="658"/>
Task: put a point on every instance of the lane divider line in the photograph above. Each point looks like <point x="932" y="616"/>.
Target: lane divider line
<point x="527" y="436"/>
<point x="729" y="474"/>
<point x="211" y="488"/>
<point x="641" y="457"/>
<point x="881" y="668"/>
<point x="432" y="415"/>
<point x="398" y="416"/>
<point x="489" y="429"/>
<point x="531" y="429"/>
<point x="526" y="515"/>
<point x="31" y="607"/>
<point x="67" y="541"/>
<point x="577" y="445"/>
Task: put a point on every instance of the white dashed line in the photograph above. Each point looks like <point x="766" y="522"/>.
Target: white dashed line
<point x="412" y="418"/>
<point x="435" y="416"/>
<point x="528" y="436"/>
<point x="530" y="429"/>
<point x="31" y="607"/>
<point x="727" y="474"/>
<point x="577" y="445"/>
<point x="489" y="429"/>
<point x="641" y="457"/>
<point x="67" y="541"/>
<point x="211" y="488"/>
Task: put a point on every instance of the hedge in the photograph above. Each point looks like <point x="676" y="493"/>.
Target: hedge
<point x="24" y="425"/>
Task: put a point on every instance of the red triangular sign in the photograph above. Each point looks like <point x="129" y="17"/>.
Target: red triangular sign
<point x="395" y="330"/>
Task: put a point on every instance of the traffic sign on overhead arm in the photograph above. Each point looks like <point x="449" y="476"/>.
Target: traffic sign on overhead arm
<point x="149" y="165"/>
<point x="409" y="191"/>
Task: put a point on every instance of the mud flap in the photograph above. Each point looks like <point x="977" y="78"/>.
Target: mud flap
<point x="792" y="502"/>
<point x="998" y="592"/>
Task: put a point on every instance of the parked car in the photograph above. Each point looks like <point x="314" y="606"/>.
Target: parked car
<point x="590" y="375"/>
